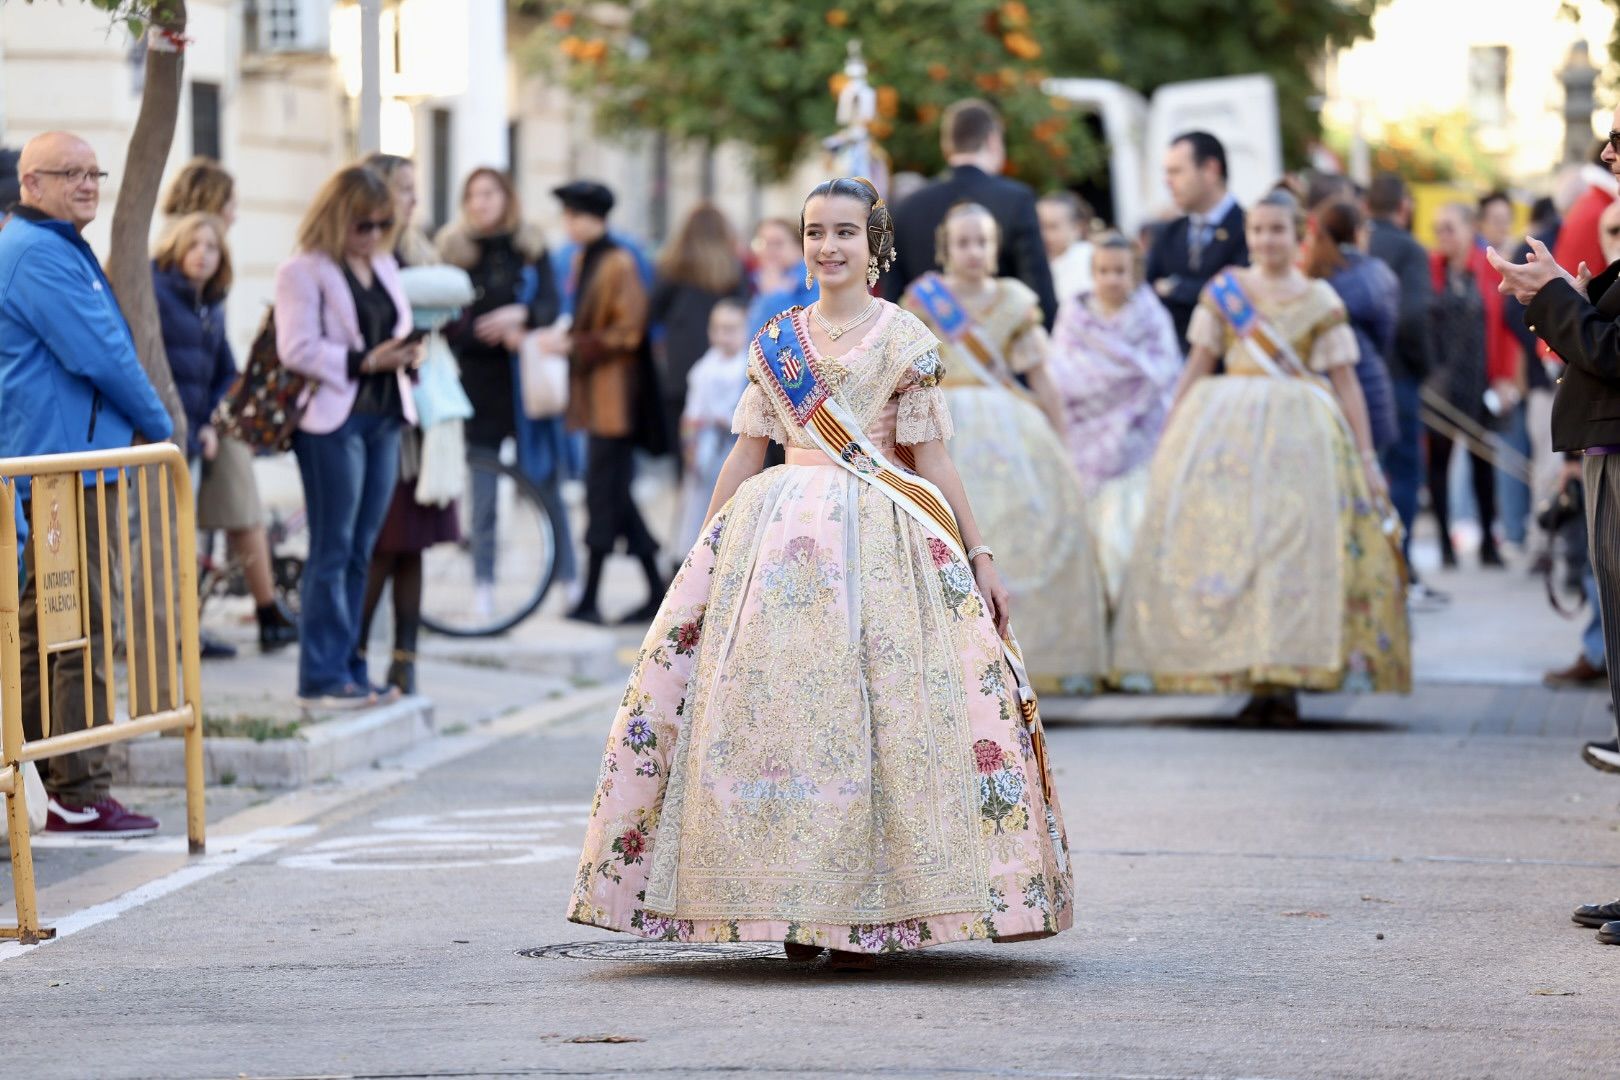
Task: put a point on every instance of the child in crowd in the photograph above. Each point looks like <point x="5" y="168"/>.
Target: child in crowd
<point x="713" y="388"/>
<point x="191" y="275"/>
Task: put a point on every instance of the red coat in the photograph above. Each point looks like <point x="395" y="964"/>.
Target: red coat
<point x="1578" y="239"/>
<point x="1504" y="358"/>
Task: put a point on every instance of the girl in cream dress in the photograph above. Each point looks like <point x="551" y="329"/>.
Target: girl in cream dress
<point x="1263" y="564"/>
<point x="1024" y="488"/>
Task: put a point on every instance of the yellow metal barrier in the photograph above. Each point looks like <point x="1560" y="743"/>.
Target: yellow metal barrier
<point x="63" y="607"/>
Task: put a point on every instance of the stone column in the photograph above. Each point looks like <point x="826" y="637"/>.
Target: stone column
<point x="480" y="136"/>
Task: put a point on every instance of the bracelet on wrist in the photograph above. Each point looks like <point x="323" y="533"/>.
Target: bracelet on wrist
<point x="982" y="549"/>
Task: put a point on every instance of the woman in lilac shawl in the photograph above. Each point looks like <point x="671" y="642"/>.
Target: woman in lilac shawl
<point x="1115" y="361"/>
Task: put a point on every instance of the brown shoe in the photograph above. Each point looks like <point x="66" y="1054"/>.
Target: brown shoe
<point x="1580" y="673"/>
<point x="800" y="954"/>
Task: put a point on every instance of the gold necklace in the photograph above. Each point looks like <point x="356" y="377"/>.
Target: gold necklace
<point x="835" y="332"/>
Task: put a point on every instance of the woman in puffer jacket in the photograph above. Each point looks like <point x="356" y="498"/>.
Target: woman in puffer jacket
<point x="191" y="274"/>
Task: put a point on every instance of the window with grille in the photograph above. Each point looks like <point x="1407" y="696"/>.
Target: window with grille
<point x="205" y="120"/>
<point x="280" y="23"/>
<point x="1487" y="84"/>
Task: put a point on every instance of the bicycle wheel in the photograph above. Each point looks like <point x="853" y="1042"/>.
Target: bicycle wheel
<point x="498" y="573"/>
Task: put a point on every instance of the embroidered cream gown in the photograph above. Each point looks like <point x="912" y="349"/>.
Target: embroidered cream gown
<point x="820" y="741"/>
<point x="1261" y="562"/>
<point x="1028" y="499"/>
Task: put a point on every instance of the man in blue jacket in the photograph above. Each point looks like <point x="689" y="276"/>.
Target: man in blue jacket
<point x="69" y="381"/>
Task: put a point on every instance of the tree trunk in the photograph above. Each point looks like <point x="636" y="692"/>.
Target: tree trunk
<point x="129" y="265"/>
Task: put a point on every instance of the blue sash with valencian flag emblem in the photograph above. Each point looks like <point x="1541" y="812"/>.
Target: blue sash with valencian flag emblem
<point x="945" y="312"/>
<point x="950" y="321"/>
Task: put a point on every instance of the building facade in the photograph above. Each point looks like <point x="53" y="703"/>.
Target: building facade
<point x="273" y="91"/>
<point x="1492" y="71"/>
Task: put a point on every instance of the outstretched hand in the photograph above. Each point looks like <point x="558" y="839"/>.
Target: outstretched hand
<point x="1524" y="280"/>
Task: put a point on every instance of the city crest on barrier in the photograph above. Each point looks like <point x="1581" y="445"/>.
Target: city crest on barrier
<point x="56" y="558"/>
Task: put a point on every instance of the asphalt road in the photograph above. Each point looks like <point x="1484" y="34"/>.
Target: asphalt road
<point x="1344" y="900"/>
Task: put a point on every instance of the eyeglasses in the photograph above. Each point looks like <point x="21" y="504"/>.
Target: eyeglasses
<point x="1614" y="141"/>
<point x="75" y="177"/>
<point x="366" y="228"/>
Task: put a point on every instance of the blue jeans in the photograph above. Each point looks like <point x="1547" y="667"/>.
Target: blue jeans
<point x="349" y="480"/>
<point x="1592" y="636"/>
<point x="1402" y="460"/>
<point x="1513" y="494"/>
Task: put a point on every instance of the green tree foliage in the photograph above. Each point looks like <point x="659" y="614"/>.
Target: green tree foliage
<point x="764" y="72"/>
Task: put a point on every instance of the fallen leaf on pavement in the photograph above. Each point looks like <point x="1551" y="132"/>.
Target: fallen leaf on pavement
<point x="1552" y="993"/>
<point x="1371" y="899"/>
<point x="604" y="1039"/>
<point x="1305" y="914"/>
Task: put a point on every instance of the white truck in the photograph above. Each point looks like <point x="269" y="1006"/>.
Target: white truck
<point x="1241" y="111"/>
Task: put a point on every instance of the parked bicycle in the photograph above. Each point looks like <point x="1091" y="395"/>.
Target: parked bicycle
<point x="499" y="572"/>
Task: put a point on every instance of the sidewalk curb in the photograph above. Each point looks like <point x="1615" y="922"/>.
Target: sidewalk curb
<point x="322" y="749"/>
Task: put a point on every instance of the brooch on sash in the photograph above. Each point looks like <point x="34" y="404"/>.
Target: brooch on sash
<point x="858" y="459"/>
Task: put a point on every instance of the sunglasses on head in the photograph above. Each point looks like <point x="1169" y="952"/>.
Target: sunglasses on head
<point x="366" y="228"/>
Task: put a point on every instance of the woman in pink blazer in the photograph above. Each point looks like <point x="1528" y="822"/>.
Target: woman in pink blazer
<point x="341" y="320"/>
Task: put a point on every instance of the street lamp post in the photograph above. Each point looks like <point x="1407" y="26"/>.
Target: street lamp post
<point x="370" y="76"/>
<point x="1580" y="80"/>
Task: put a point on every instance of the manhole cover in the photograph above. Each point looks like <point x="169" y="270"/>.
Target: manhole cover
<point x="656" y="951"/>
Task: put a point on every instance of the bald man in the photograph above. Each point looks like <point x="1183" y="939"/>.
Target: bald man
<point x="69" y="381"/>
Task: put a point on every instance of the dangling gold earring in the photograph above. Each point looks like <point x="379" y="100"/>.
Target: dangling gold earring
<point x="809" y="278"/>
<point x="872" y="271"/>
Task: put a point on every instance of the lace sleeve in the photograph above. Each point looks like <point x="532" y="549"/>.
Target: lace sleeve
<point x="757" y="417"/>
<point x="923" y="415"/>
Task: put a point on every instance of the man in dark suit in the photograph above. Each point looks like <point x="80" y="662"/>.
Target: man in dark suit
<point x="1207" y="238"/>
<point x="1578" y="316"/>
<point x="971" y="136"/>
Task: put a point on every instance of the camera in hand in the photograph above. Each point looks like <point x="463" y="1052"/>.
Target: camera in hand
<point x="1566" y="506"/>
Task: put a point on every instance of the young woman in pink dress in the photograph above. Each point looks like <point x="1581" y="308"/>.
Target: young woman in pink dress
<point x="825" y="740"/>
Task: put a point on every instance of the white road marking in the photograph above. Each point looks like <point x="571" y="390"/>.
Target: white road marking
<point x="278" y="821"/>
<point x="427" y="856"/>
<point x="230" y="852"/>
<point x="460" y="839"/>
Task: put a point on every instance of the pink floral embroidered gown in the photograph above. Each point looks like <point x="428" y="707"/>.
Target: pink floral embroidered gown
<point x="820" y="741"/>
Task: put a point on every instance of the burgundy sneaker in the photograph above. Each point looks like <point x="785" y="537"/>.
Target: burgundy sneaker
<point x="107" y="818"/>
